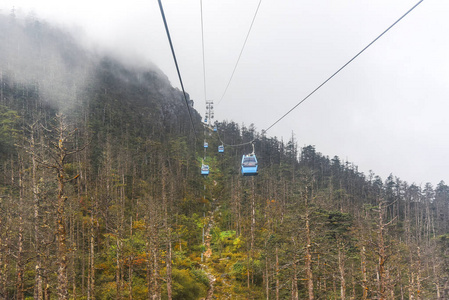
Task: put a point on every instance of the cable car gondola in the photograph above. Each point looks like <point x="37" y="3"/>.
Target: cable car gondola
<point x="220" y="149"/>
<point x="206" y="145"/>
<point x="249" y="165"/>
<point x="204" y="170"/>
<point x="215" y="128"/>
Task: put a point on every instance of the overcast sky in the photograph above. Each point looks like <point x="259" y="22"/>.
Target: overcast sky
<point x="387" y="111"/>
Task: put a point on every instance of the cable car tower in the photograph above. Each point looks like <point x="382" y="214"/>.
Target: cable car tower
<point x="207" y="120"/>
<point x="209" y="113"/>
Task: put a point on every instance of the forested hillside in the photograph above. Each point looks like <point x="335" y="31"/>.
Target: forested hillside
<point x="101" y="196"/>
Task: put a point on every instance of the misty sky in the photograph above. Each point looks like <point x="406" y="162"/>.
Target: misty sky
<point x="386" y="112"/>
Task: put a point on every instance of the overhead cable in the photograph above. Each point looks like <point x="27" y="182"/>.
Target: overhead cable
<point x="202" y="42"/>
<point x="241" y="51"/>
<point x="177" y="68"/>
<point x="233" y="145"/>
<point x="237" y="145"/>
<point x="305" y="98"/>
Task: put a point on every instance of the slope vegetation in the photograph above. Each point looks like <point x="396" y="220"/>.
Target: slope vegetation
<point x="101" y="196"/>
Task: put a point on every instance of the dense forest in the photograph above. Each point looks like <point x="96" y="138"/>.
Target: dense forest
<point x="101" y="196"/>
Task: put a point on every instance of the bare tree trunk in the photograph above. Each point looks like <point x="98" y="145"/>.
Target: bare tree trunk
<point x="149" y="252"/>
<point x="295" y="295"/>
<point x="411" y="286"/>
<point x="381" y="270"/>
<point x="390" y="287"/>
<point x="169" y="271"/>
<point x="334" y="284"/>
<point x="130" y="278"/>
<point x="73" y="253"/>
<point x="248" y="267"/>
<point x="118" y="268"/>
<point x="341" y="267"/>
<point x="20" y="267"/>
<point x="60" y="154"/>
<point x="131" y="261"/>
<point x="82" y="236"/>
<point x="61" y="230"/>
<point x="155" y="283"/>
<point x="154" y="249"/>
<point x="120" y="235"/>
<point x="148" y="273"/>
<point x="46" y="286"/>
<point x="353" y="281"/>
<point x="308" y="257"/>
<point x="277" y="274"/>
<point x="364" y="276"/>
<point x="418" y="276"/>
<point x="436" y="276"/>
<point x="266" y="279"/>
<point x="91" y="268"/>
<point x="383" y="275"/>
<point x="168" y="232"/>
<point x="62" y="248"/>
<point x="38" y="293"/>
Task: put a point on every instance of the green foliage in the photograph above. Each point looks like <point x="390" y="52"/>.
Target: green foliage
<point x="188" y="285"/>
<point x="338" y="224"/>
<point x="239" y="270"/>
<point x="200" y="276"/>
<point x="227" y="235"/>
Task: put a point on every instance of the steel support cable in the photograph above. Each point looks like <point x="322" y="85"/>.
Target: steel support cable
<point x="241" y="51"/>
<point x="176" y="64"/>
<point x="328" y="79"/>
<point x="235" y="67"/>
<point x="202" y="42"/>
<point x="234" y="145"/>
<point x="385" y="31"/>
<point x="204" y="67"/>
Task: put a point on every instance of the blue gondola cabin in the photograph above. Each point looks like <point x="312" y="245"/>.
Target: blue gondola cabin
<point x="206" y="145"/>
<point x="205" y="170"/>
<point x="220" y="149"/>
<point x="249" y="165"/>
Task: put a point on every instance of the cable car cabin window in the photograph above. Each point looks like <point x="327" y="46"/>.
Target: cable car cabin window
<point x="249" y="161"/>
